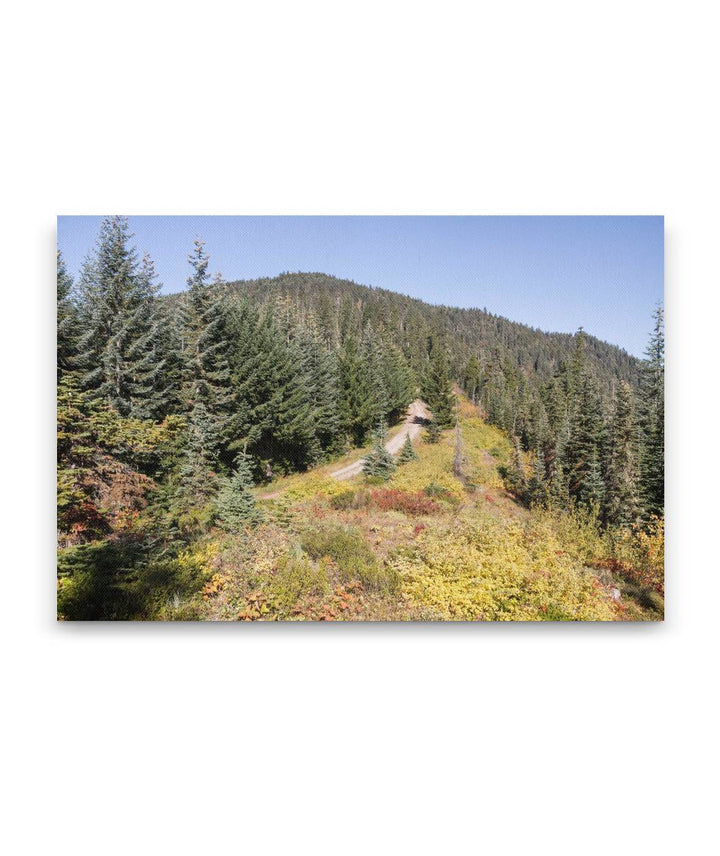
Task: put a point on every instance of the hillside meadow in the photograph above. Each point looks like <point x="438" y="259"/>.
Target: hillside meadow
<point x="425" y="545"/>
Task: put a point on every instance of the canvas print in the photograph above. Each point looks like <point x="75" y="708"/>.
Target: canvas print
<point x="360" y="419"/>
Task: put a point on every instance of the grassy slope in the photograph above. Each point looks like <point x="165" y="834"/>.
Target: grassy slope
<point x="331" y="550"/>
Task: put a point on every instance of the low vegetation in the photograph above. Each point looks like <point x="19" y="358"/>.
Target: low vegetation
<point x="439" y="551"/>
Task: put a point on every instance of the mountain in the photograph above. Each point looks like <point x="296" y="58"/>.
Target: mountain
<point x="341" y="307"/>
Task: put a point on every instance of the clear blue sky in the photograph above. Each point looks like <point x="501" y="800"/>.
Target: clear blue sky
<point x="555" y="273"/>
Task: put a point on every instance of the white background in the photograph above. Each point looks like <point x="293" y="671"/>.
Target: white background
<point x="350" y="739"/>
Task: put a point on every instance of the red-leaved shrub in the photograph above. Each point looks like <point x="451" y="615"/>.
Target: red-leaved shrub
<point x="391" y="499"/>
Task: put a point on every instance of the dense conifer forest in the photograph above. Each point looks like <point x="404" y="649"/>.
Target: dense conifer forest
<point x="198" y="431"/>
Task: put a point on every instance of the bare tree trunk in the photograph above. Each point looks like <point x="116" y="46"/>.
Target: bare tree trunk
<point x="458" y="457"/>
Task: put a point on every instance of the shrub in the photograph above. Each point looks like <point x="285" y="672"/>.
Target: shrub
<point x="390" y="499"/>
<point x="343" y="501"/>
<point x="638" y="555"/>
<point x="443" y="493"/>
<point x="349" y="550"/>
<point x="386" y="499"/>
<point x="295" y="577"/>
<point x="492" y="570"/>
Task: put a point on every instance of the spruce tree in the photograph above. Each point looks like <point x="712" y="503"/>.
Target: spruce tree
<point x="398" y="382"/>
<point x="293" y="418"/>
<point x="621" y="501"/>
<point x="514" y="475"/>
<point x="362" y="396"/>
<point x="196" y="485"/>
<point x="433" y="432"/>
<point x="116" y="309"/>
<point x="652" y="422"/>
<point x="437" y="387"/>
<point x="320" y="365"/>
<point x="536" y="492"/>
<point x="236" y="504"/>
<point x="583" y="451"/>
<point x="379" y="463"/>
<point x="147" y="382"/>
<point x="378" y="403"/>
<point x="407" y="453"/>
<point x="66" y="319"/>
<point x="209" y="334"/>
<point x="274" y="412"/>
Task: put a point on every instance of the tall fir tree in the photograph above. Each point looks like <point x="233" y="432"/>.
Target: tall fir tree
<point x="583" y="451"/>
<point x="320" y="365"/>
<point x="273" y="398"/>
<point x="359" y="399"/>
<point x="652" y="422"/>
<point x="398" y="381"/>
<point x="621" y="501"/>
<point x="66" y="319"/>
<point x="194" y="491"/>
<point x="148" y="381"/>
<point x="437" y="386"/>
<point x="207" y="343"/>
<point x="116" y="308"/>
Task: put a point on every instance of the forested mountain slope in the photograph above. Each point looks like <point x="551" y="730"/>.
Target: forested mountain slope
<point x="173" y="410"/>
<point x="341" y="307"/>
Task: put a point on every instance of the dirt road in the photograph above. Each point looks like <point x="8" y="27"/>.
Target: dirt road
<point x="417" y="414"/>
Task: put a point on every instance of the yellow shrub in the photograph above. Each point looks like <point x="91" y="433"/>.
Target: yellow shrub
<point x="199" y="558"/>
<point x="495" y="571"/>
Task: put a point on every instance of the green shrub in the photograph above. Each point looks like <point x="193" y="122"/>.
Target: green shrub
<point x="349" y="550"/>
<point x="344" y="501"/>
<point x="295" y="577"/>
<point x="438" y="491"/>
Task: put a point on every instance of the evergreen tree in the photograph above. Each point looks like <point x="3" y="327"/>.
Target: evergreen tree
<point x="320" y="365"/>
<point x="66" y="319"/>
<point x="433" y="432"/>
<point x="379" y="463"/>
<point x="399" y="383"/>
<point x="437" y="387"/>
<point x="536" y="492"/>
<point x="377" y="403"/>
<point x="621" y="501"/>
<point x="236" y="504"/>
<point x="652" y="422"/>
<point x="407" y="453"/>
<point x="208" y="344"/>
<point x="147" y="381"/>
<point x="115" y="316"/>
<point x="194" y="492"/>
<point x="274" y="412"/>
<point x="583" y="451"/>
<point x="293" y="429"/>
<point x="361" y="404"/>
<point x="514" y="475"/>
